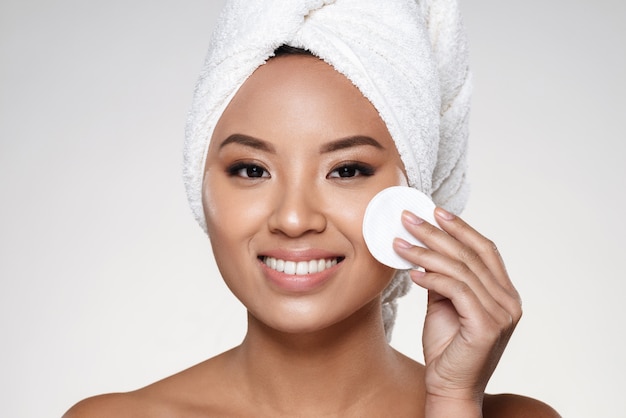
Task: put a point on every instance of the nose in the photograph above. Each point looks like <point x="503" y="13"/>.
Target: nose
<point x="297" y="211"/>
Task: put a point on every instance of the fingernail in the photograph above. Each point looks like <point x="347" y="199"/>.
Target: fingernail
<point x="444" y="214"/>
<point x="400" y="243"/>
<point x="416" y="274"/>
<point x="411" y="218"/>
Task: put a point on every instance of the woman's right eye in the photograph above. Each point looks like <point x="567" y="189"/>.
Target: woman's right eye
<point x="247" y="170"/>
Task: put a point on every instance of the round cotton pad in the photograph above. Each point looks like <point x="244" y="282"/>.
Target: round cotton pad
<point x="383" y="222"/>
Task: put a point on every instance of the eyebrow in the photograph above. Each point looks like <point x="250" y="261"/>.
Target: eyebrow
<point x="339" y="144"/>
<point x="249" y="141"/>
<point x="351" y="141"/>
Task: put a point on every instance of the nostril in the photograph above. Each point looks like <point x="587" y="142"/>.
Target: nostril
<point x="296" y="218"/>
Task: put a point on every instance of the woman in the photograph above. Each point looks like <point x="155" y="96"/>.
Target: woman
<point x="285" y="148"/>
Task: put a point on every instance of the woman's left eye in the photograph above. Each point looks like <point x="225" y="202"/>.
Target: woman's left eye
<point x="351" y="170"/>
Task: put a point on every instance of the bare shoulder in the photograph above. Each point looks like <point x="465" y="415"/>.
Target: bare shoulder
<point x="183" y="394"/>
<point x="137" y="404"/>
<point x="109" y="405"/>
<point x="516" y="406"/>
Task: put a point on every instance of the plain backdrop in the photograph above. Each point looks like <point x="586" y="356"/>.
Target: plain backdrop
<point x="107" y="284"/>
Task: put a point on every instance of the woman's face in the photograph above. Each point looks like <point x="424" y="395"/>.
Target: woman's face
<point x="291" y="167"/>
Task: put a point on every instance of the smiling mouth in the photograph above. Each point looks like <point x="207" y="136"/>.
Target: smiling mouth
<point x="300" y="268"/>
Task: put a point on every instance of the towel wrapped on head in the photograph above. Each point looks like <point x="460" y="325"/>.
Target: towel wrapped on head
<point x="409" y="59"/>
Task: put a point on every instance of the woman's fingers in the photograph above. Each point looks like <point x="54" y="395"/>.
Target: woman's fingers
<point x="462" y="253"/>
<point x="479" y="246"/>
<point x="486" y="320"/>
<point x="454" y="276"/>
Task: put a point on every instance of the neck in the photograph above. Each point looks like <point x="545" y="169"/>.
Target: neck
<point x="292" y="372"/>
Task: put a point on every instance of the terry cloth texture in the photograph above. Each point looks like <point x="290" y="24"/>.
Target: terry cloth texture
<point x="409" y="59"/>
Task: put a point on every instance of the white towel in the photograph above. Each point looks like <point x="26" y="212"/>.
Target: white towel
<point x="408" y="57"/>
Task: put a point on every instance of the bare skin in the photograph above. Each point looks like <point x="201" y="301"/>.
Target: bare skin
<point x="292" y="164"/>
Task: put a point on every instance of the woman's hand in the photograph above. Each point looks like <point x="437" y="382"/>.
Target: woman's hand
<point x="473" y="309"/>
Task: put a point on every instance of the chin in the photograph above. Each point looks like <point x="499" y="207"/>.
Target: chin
<point x="301" y="318"/>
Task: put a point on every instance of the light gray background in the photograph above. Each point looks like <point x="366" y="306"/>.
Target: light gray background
<point x="107" y="284"/>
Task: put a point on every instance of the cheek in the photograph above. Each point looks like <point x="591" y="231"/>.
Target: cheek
<point x="389" y="177"/>
<point x="347" y="211"/>
<point x="231" y="216"/>
<point x="354" y="213"/>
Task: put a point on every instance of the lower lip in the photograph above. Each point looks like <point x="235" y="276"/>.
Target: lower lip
<point x="298" y="284"/>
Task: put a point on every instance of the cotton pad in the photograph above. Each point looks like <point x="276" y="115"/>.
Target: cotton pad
<point x="382" y="222"/>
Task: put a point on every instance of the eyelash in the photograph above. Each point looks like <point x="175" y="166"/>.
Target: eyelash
<point x="355" y="169"/>
<point x="247" y="170"/>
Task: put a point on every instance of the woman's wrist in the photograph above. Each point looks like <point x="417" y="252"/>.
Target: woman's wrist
<point x="442" y="407"/>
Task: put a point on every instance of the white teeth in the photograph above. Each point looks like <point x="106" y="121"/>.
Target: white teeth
<point x="302" y="268"/>
<point x="299" y="268"/>
<point x="290" y="267"/>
